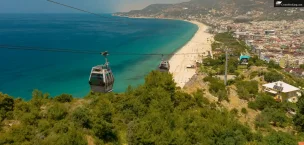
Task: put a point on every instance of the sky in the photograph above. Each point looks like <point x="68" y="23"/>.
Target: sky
<point x="96" y="6"/>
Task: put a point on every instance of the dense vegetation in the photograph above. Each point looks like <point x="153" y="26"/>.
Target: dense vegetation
<point x="247" y="89"/>
<point x="226" y="39"/>
<point x="217" y="88"/>
<point x="299" y="118"/>
<point x="218" y="65"/>
<point x="273" y="112"/>
<point x="154" y="113"/>
<point x="273" y="76"/>
<point x="270" y="115"/>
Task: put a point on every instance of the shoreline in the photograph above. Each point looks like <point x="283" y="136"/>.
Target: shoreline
<point x="197" y="44"/>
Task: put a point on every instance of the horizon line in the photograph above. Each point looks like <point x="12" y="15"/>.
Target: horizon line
<point x="57" y="13"/>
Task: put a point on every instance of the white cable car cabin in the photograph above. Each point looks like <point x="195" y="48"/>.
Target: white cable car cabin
<point x="101" y="78"/>
<point x="164" y="66"/>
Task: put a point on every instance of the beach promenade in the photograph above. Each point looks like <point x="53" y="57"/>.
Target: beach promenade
<point x="198" y="44"/>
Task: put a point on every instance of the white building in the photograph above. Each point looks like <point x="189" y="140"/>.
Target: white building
<point x="283" y="91"/>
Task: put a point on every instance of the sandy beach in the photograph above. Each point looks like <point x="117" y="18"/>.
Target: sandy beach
<point x="198" y="44"/>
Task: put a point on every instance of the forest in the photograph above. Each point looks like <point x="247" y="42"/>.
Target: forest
<point x="156" y="112"/>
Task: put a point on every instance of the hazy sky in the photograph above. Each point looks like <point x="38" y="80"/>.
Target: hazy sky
<point x="99" y="6"/>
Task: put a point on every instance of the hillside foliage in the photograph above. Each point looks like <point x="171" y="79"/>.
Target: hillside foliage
<point x="154" y="113"/>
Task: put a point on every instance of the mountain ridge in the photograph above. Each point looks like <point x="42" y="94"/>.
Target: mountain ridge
<point x="256" y="9"/>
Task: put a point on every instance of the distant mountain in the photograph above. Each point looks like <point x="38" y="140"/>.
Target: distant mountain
<point x="256" y="9"/>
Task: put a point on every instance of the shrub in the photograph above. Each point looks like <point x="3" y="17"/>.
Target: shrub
<point x="70" y="136"/>
<point x="43" y="125"/>
<point x="230" y="82"/>
<point x="255" y="61"/>
<point x="262" y="101"/>
<point x="244" y="111"/>
<point x="280" y="138"/>
<point x="105" y="131"/>
<point x="81" y="117"/>
<point x="240" y="78"/>
<point x="64" y="98"/>
<point x="276" y="116"/>
<point x="217" y="88"/>
<point x="37" y="98"/>
<point x="222" y="95"/>
<point x="57" y="112"/>
<point x="272" y="76"/>
<point x="200" y="99"/>
<point x="29" y="118"/>
<point x="232" y="65"/>
<point x="211" y="62"/>
<point x="274" y="65"/>
<point x="6" y="105"/>
<point x="234" y="111"/>
<point x="247" y="89"/>
<point x="61" y="127"/>
<point x="298" y="121"/>
<point x="261" y="122"/>
<point x="252" y="105"/>
<point x="253" y="74"/>
<point x="6" y="102"/>
<point x="9" y="115"/>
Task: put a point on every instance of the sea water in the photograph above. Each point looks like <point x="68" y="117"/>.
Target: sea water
<point x="22" y="71"/>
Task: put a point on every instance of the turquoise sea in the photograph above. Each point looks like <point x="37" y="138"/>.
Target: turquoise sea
<point x="22" y="71"/>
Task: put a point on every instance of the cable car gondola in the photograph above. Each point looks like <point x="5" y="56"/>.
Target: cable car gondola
<point x="244" y="59"/>
<point x="101" y="78"/>
<point x="164" y="66"/>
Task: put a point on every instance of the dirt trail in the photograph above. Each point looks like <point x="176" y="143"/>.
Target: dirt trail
<point x="90" y="140"/>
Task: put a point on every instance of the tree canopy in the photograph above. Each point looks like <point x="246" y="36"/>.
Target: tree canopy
<point x="273" y="76"/>
<point x="153" y="113"/>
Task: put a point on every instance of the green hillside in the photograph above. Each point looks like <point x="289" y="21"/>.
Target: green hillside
<point x="156" y="112"/>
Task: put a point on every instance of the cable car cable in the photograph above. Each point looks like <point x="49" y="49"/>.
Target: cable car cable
<point x="68" y="6"/>
<point x="84" y="51"/>
<point x="76" y="8"/>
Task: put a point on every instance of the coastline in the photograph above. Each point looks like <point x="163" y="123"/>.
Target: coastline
<point x="197" y="44"/>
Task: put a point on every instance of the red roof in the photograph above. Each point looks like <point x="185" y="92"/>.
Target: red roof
<point x="301" y="143"/>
